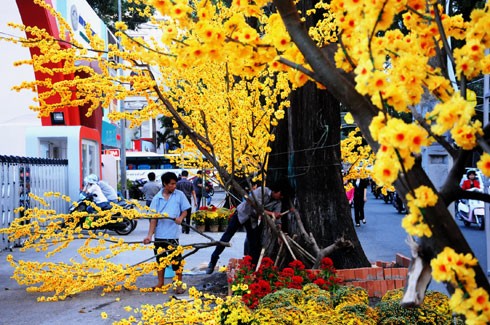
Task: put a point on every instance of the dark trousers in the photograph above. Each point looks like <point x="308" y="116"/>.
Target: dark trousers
<point x="231" y="229"/>
<point x="198" y="199"/>
<point x="358" y="209"/>
<point x="185" y="228"/>
<point x="253" y="239"/>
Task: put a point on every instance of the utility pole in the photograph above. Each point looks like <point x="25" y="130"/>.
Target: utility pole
<point x="486" y="101"/>
<point x="122" y="168"/>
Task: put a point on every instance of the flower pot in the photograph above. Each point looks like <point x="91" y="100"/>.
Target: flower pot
<point x="201" y="228"/>
<point x="214" y="228"/>
<point x="222" y="227"/>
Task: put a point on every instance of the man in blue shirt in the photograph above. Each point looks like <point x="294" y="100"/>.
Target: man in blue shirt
<point x="173" y="205"/>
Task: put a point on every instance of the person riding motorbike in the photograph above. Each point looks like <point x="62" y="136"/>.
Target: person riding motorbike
<point x="469" y="210"/>
<point x="471" y="181"/>
<point x="92" y="187"/>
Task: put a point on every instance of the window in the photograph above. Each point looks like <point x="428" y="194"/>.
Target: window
<point x="90" y="158"/>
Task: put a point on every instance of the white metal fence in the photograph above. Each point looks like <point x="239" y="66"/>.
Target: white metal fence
<point x="20" y="176"/>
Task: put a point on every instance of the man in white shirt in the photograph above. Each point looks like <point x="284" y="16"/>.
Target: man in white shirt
<point x="92" y="188"/>
<point x="109" y="191"/>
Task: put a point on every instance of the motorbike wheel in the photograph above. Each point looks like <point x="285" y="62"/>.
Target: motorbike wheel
<point x="134" y="223"/>
<point x="79" y="222"/>
<point x="127" y="229"/>
<point x="481" y="226"/>
<point x="387" y="198"/>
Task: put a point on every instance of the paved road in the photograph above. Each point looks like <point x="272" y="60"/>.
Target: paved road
<point x="382" y="237"/>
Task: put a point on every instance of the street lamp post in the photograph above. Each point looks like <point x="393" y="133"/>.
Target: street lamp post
<point x="486" y="100"/>
<point x="123" y="121"/>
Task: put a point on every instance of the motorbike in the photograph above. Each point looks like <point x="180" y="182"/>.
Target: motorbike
<point x="398" y="203"/>
<point x="376" y="190"/>
<point x="123" y="227"/>
<point x="388" y="197"/>
<point x="209" y="188"/>
<point x="135" y="189"/>
<point x="471" y="211"/>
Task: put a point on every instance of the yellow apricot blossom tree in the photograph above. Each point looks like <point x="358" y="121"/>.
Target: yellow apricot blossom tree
<point x="385" y="69"/>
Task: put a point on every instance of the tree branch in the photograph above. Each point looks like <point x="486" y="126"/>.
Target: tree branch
<point x="441" y="140"/>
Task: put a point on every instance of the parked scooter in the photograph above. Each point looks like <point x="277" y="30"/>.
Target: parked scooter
<point x="123" y="227"/>
<point x="398" y="203"/>
<point x="388" y="197"/>
<point x="471" y="211"/>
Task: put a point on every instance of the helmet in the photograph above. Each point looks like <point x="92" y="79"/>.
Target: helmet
<point x="92" y="179"/>
<point x="469" y="172"/>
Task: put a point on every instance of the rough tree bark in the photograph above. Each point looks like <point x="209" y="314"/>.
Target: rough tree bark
<point x="316" y="170"/>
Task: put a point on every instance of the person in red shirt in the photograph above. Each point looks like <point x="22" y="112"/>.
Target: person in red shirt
<point x="471" y="181"/>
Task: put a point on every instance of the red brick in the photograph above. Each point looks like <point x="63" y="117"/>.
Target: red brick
<point x="352" y="274"/>
<point x="379" y="273"/>
<point x="402" y="260"/>
<point x="371" y="274"/>
<point x="377" y="285"/>
<point x="384" y="287"/>
<point x="394" y="273"/>
<point x="390" y="284"/>
<point x="403" y="272"/>
<point x="359" y="274"/>
<point x="400" y="284"/>
<point x="379" y="263"/>
<point x="341" y="274"/>
<point x="387" y="272"/>
<point x="346" y="274"/>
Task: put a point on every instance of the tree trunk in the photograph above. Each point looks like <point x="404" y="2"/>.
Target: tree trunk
<point x="307" y="152"/>
<point x="317" y="172"/>
<point x="314" y="168"/>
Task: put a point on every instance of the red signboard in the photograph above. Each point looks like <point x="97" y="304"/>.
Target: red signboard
<point x="114" y="152"/>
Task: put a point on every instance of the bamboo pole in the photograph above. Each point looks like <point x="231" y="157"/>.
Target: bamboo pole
<point x="283" y="237"/>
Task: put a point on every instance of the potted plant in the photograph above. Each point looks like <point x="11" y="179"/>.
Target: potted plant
<point x="212" y="219"/>
<point x="224" y="216"/>
<point x="199" y="219"/>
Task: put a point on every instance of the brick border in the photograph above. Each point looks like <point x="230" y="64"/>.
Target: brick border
<point x="377" y="279"/>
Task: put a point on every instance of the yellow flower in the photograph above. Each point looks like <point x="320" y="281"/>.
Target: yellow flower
<point x="179" y="10"/>
<point x="484" y="164"/>
<point x="441" y="270"/>
<point x="377" y="124"/>
<point x="348" y="118"/>
<point x="120" y="25"/>
<point x="425" y="197"/>
<point x="414" y="224"/>
<point x="385" y="172"/>
<point x="103" y="315"/>
<point x="223" y="269"/>
<point x="465" y="136"/>
<point x="479" y="299"/>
